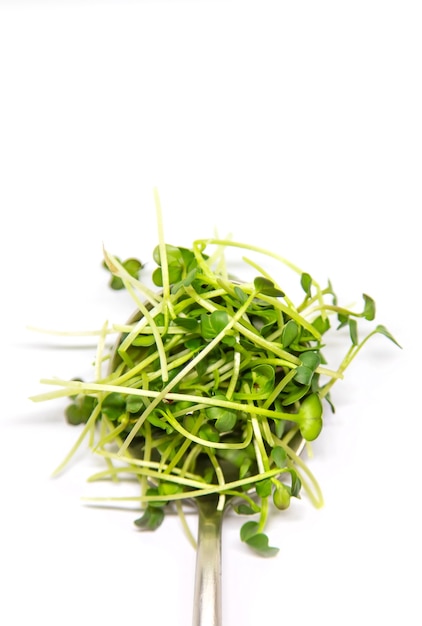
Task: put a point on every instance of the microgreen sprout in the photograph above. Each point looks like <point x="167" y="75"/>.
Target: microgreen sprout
<point x="132" y="266"/>
<point x="212" y="383"/>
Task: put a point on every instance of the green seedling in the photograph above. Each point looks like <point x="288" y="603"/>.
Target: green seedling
<point x="209" y="368"/>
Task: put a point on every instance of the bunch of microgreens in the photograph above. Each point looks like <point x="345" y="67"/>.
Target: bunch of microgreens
<point x="209" y="367"/>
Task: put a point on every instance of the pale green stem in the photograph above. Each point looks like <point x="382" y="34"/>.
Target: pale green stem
<point x="185" y="525"/>
<point x="200" y="491"/>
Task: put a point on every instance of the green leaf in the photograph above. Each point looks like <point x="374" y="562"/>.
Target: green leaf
<point x="264" y="488"/>
<point x="156" y="504"/>
<point x="134" y="404"/>
<point x="144" y="340"/>
<point x="116" y="283"/>
<point x="279" y="456"/>
<point x="248" y="530"/>
<point x="309" y="362"/>
<point x="240" y="295"/>
<point x="321" y="324"/>
<point x="114" y="405"/>
<point x="261" y="378"/>
<point x="115" y="399"/>
<point x="303" y="375"/>
<point x="168" y="489"/>
<point x="225" y="418"/>
<point x="289" y="334"/>
<point x="181" y="264"/>
<point x="173" y="254"/>
<point x="310" y="417"/>
<point x="74" y="415"/>
<point x="185" y="282"/>
<point x="157" y="277"/>
<point x="264" y="320"/>
<point x="174" y="274"/>
<point x="383" y="331"/>
<point x="280" y="425"/>
<point x="306" y="283"/>
<point x="260" y="544"/>
<point x="266" y="287"/>
<point x="80" y="410"/>
<point x="213" y="323"/>
<point x="189" y="323"/>
<point x="296" y="392"/>
<point x="296" y="485"/>
<point x="330" y="402"/>
<point x="189" y="420"/>
<point x="369" y="308"/>
<point x="151" y="519"/>
<point x="245" y="509"/>
<point x="156" y="419"/>
<point x="310" y="359"/>
<point x="245" y="467"/>
<point x="133" y="267"/>
<point x="194" y="343"/>
<point x="281" y="497"/>
<point x="209" y="433"/>
<point x="353" y="330"/>
<point x="229" y="340"/>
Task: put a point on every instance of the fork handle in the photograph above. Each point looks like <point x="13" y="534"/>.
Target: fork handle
<point x="207" y="593"/>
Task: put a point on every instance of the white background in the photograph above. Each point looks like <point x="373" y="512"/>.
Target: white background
<point x="292" y="125"/>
